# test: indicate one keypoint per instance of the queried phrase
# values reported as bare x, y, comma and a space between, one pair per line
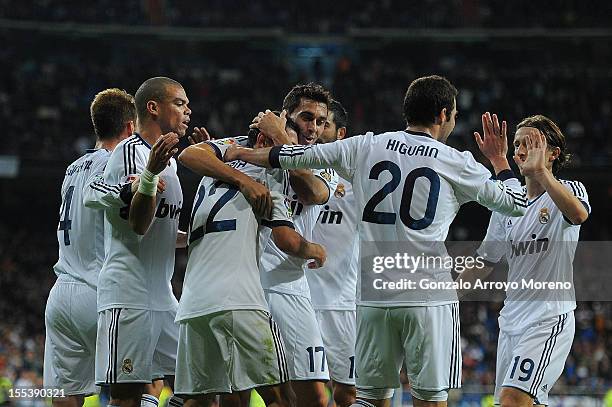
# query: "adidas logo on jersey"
529, 246
544, 388
330, 217
164, 209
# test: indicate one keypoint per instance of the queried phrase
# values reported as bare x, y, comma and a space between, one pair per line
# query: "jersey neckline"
418, 133
143, 140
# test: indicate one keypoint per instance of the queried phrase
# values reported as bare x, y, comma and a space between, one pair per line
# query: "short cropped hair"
310, 91
425, 99
110, 110
152, 89
554, 137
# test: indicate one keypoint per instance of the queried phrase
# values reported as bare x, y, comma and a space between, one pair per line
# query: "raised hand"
161, 152
494, 144
272, 126
535, 163
199, 135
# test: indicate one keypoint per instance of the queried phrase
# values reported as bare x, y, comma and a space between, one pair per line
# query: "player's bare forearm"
500, 164
567, 203
142, 211
470, 275
310, 189
291, 242
201, 159
259, 156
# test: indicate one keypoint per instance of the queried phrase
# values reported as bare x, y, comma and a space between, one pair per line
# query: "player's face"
448, 126
174, 111
330, 131
310, 116
520, 147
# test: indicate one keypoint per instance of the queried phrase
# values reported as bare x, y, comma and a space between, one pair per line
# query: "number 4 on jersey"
66, 224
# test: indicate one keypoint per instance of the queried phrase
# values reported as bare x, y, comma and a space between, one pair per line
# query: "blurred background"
235, 58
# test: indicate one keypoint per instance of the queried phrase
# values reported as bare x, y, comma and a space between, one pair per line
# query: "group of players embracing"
272, 296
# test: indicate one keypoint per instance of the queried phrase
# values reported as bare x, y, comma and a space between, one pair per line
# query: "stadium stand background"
515, 58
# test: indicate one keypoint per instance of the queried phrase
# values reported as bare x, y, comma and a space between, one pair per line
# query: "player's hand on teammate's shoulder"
319, 256
199, 135
258, 196
162, 151
535, 163
494, 142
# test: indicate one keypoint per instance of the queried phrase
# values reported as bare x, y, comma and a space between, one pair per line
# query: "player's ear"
261, 140
130, 127
341, 133
152, 108
441, 117
554, 153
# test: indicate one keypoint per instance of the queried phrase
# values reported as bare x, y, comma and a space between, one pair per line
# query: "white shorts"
533, 360
427, 339
338, 329
229, 351
70, 340
135, 345
300, 331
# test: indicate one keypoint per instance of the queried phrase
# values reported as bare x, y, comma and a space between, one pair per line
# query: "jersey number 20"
371, 215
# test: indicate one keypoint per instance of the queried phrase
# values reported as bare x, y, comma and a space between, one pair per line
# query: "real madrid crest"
544, 216
340, 191
127, 367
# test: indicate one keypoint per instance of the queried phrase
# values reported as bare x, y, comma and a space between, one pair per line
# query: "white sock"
148, 400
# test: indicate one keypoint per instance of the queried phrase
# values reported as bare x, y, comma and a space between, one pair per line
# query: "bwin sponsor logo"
529, 246
164, 209
330, 217
296, 206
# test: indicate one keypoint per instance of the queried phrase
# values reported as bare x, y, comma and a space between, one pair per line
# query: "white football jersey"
80, 231
137, 269
224, 242
281, 272
408, 187
334, 286
539, 246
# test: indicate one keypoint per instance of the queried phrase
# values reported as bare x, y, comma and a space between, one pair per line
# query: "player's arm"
142, 209
181, 239
310, 189
203, 160
490, 252
291, 242
340, 155
505, 195
574, 210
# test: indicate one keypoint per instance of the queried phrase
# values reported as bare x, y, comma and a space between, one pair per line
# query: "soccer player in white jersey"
282, 275
333, 286
228, 341
71, 315
422, 331
137, 336
536, 326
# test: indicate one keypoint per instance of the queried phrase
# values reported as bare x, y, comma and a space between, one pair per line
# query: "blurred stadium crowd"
48, 81
316, 16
